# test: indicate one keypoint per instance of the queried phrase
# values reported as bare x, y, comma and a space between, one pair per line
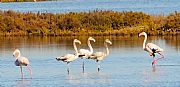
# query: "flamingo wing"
67, 58
22, 61
97, 55
84, 53
71, 57
154, 47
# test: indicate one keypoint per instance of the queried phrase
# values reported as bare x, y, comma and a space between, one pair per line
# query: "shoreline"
9, 1
90, 34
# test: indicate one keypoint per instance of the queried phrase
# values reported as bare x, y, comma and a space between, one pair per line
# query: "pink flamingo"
99, 56
85, 53
70, 57
21, 61
151, 49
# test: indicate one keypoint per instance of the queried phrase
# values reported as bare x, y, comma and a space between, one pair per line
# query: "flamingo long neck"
144, 43
18, 55
90, 47
75, 48
107, 50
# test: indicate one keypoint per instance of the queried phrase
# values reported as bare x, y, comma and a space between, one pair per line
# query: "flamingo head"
91, 38
153, 62
108, 41
143, 33
77, 41
16, 53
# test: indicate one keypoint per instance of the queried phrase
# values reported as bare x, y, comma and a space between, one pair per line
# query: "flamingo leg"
98, 66
21, 72
83, 64
68, 67
154, 69
153, 62
30, 70
162, 56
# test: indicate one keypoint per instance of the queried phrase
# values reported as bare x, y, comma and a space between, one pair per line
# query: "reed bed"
97, 23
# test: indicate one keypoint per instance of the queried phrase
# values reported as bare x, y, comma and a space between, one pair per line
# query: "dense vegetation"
96, 22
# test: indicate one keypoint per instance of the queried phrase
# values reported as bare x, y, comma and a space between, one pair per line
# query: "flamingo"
99, 56
70, 57
152, 49
85, 53
21, 61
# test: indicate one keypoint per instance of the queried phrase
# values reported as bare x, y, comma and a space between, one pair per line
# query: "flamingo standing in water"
151, 49
70, 57
99, 56
21, 61
85, 53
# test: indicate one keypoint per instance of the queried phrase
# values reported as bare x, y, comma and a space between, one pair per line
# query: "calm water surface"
147, 6
127, 65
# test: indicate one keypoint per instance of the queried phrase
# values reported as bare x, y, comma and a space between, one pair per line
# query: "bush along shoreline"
97, 23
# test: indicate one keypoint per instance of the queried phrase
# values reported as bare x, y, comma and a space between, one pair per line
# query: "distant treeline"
95, 22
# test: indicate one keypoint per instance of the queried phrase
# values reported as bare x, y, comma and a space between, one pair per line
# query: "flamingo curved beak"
79, 42
94, 40
143, 33
110, 43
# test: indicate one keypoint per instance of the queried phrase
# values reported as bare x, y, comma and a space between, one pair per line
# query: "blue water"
148, 6
126, 66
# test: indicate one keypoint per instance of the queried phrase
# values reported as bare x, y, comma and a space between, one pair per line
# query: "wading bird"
21, 61
151, 49
85, 53
70, 57
99, 56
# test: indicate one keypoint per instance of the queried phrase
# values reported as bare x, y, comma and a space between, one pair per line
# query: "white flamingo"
70, 57
21, 61
99, 56
85, 53
151, 49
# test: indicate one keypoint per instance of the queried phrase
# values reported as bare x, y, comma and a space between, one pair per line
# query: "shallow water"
148, 6
127, 65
